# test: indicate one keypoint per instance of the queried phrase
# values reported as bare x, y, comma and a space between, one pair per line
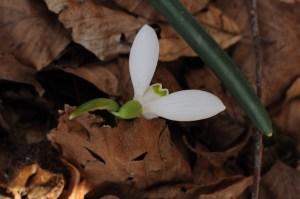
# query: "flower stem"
217, 59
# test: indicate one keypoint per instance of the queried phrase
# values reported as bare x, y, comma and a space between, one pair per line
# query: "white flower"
186, 105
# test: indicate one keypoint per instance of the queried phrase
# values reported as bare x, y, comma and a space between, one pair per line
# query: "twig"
258, 150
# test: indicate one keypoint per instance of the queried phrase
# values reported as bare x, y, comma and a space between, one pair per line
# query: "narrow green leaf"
217, 59
95, 104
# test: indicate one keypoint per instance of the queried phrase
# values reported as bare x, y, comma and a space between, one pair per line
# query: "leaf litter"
58, 52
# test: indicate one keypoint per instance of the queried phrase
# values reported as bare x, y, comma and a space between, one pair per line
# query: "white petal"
186, 105
143, 59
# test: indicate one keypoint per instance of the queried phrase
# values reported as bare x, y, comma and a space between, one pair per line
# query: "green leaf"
95, 104
217, 59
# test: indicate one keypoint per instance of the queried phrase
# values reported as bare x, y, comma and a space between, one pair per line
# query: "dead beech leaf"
103, 31
219, 26
99, 75
138, 152
144, 9
229, 188
78, 187
209, 167
280, 182
29, 33
13, 70
287, 117
232, 192
33, 182
280, 44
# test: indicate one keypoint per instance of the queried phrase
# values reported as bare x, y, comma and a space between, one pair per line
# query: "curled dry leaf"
138, 152
287, 116
33, 182
280, 44
99, 75
280, 182
102, 30
144, 9
209, 167
113, 78
13, 70
78, 187
29, 33
230, 188
219, 26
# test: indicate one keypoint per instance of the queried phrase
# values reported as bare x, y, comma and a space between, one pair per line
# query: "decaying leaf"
30, 33
78, 187
13, 70
280, 182
280, 41
287, 116
103, 31
144, 9
99, 75
209, 167
230, 188
138, 152
33, 182
219, 26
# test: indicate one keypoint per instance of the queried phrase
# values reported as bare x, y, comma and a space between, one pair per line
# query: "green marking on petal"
159, 90
130, 110
95, 104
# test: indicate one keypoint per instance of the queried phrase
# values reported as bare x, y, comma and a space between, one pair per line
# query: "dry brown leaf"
230, 188
209, 167
138, 152
29, 33
103, 31
231, 192
280, 44
77, 186
287, 117
99, 75
219, 26
33, 182
144, 9
290, 1
280, 182
114, 79
13, 70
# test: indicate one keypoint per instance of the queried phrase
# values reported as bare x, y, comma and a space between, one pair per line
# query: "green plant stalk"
95, 104
216, 59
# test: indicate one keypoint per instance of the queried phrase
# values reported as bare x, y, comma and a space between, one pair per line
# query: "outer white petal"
143, 59
186, 105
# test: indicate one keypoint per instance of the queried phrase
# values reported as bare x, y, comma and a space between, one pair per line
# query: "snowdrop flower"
153, 100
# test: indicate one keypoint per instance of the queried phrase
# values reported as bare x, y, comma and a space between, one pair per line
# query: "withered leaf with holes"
138, 152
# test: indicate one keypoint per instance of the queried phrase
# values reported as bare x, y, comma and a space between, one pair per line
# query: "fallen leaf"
13, 70
144, 9
99, 75
33, 182
290, 1
103, 31
30, 33
280, 41
209, 167
287, 114
281, 181
219, 26
78, 187
138, 152
231, 192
